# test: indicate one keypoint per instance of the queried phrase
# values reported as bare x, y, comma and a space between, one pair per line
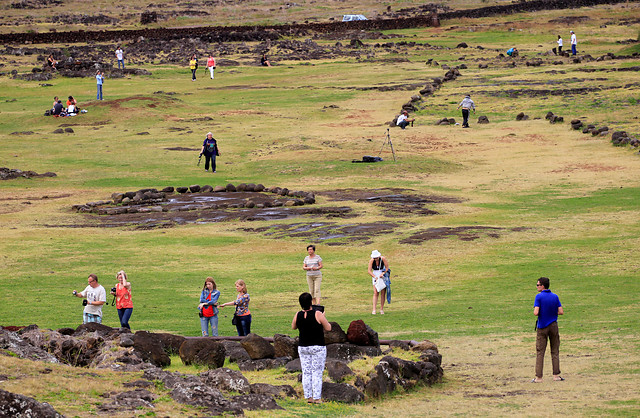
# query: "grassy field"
564, 205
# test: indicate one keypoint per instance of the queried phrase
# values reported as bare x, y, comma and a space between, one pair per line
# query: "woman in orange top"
124, 304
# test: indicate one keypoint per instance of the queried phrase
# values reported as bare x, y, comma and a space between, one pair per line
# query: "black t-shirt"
57, 109
311, 331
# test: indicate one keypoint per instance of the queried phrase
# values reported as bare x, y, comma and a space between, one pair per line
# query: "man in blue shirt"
547, 307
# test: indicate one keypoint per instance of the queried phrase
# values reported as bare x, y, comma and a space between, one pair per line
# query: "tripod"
387, 139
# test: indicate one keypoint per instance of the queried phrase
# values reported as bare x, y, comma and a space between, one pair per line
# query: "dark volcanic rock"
15, 405
226, 379
149, 347
255, 402
135, 399
280, 391
235, 351
336, 335
338, 370
257, 347
285, 346
202, 351
341, 392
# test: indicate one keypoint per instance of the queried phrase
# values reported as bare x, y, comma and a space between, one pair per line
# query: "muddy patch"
328, 233
397, 201
463, 233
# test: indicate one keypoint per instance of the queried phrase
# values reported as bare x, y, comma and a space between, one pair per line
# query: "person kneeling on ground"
403, 120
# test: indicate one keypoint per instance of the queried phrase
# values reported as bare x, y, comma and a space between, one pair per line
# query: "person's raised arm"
323, 321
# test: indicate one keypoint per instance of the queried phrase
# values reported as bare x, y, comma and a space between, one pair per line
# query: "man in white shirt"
403, 120
574, 44
120, 57
96, 297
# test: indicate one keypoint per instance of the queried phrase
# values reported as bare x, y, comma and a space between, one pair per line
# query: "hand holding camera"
75, 293
84, 302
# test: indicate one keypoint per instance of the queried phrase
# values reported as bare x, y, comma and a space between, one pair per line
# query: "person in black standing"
311, 347
210, 152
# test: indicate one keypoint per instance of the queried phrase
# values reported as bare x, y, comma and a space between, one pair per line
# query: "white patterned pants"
312, 361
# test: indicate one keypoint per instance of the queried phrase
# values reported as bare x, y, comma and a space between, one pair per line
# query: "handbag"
380, 284
234, 320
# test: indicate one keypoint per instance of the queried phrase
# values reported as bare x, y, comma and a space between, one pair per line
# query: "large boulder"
226, 379
170, 342
257, 347
336, 335
235, 351
15, 405
280, 391
425, 345
350, 352
341, 392
338, 370
361, 334
285, 346
150, 348
262, 364
202, 351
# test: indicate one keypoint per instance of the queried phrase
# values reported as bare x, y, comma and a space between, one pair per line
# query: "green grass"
576, 226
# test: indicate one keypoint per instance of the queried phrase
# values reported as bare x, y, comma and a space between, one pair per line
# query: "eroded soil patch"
464, 233
329, 233
397, 200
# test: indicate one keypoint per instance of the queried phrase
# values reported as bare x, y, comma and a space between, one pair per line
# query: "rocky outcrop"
15, 405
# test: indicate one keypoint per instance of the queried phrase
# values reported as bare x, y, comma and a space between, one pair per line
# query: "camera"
84, 302
75, 292
113, 290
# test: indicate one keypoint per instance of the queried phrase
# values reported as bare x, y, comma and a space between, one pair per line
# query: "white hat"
375, 254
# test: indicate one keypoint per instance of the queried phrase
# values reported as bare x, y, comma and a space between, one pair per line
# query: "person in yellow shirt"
193, 65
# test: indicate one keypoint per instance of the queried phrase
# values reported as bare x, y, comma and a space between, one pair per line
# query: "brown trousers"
551, 333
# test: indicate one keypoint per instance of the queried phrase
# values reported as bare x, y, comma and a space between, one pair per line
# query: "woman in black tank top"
313, 353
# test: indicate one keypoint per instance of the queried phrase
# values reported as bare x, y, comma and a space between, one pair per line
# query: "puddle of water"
199, 198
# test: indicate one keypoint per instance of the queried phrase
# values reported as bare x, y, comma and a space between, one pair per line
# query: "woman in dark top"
311, 348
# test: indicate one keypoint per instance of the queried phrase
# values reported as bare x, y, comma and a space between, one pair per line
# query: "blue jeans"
87, 317
125, 315
574, 50
204, 325
121, 62
99, 95
244, 325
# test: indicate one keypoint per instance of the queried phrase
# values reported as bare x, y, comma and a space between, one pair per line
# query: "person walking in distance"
466, 104
547, 307
210, 151
211, 64
124, 303
574, 43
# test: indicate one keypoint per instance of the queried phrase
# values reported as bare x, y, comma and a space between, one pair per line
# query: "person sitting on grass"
58, 109
264, 61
